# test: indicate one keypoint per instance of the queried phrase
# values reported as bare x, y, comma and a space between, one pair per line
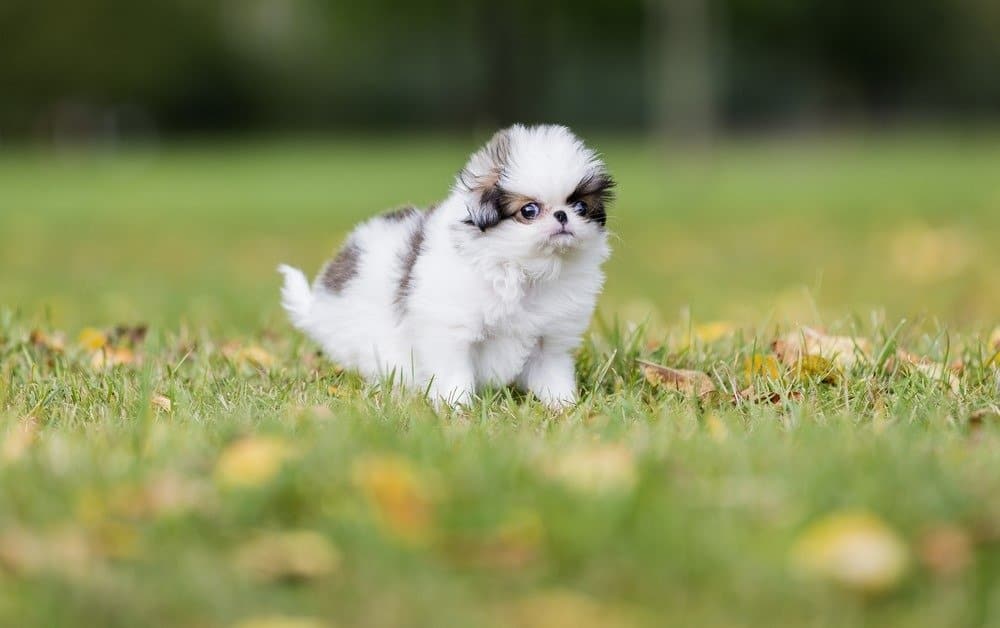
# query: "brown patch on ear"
342, 268
481, 177
597, 191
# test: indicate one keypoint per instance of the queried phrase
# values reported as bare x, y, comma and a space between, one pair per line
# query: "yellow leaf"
92, 339
843, 351
161, 403
294, 555
710, 332
398, 495
681, 380
993, 345
598, 468
760, 365
256, 356
252, 461
854, 549
817, 368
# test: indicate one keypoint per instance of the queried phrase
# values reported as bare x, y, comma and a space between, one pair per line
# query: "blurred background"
778, 158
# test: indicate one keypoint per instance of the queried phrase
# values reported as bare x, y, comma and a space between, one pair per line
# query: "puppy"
493, 286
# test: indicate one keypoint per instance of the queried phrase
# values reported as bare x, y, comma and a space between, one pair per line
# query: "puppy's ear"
480, 179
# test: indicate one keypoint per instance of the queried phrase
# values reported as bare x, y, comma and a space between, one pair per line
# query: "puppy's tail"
296, 296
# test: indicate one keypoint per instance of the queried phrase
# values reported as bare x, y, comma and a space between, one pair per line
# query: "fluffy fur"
472, 292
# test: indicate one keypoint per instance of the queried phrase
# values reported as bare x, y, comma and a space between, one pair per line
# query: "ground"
836, 464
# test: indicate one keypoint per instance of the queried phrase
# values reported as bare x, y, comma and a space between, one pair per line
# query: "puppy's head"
536, 191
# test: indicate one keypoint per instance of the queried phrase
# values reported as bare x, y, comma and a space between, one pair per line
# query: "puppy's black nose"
561, 217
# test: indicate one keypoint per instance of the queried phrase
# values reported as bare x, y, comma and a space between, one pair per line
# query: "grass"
641, 506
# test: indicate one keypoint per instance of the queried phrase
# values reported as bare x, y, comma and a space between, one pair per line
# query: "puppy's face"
536, 192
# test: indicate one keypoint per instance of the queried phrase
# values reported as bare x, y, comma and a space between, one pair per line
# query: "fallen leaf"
92, 339
843, 351
19, 439
854, 549
814, 367
255, 356
681, 380
710, 332
400, 497
288, 556
931, 370
109, 357
161, 403
945, 550
132, 335
252, 461
593, 468
55, 342
758, 365
750, 395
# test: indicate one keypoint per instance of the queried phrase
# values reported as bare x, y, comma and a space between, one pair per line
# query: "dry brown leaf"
945, 550
750, 395
257, 356
55, 342
843, 351
161, 403
131, 335
109, 357
288, 556
931, 370
681, 380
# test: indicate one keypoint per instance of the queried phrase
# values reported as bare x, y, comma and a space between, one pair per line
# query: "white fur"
505, 305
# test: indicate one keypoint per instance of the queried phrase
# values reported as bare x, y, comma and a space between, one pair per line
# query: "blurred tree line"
121, 67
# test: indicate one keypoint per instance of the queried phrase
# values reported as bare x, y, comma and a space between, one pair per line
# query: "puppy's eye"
530, 211
580, 207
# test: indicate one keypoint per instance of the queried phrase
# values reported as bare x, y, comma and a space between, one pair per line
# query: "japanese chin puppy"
493, 286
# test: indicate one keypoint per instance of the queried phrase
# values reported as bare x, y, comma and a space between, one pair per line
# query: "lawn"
832, 457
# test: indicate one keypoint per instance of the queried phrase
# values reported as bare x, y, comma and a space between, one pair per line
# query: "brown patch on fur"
409, 259
401, 214
342, 268
493, 158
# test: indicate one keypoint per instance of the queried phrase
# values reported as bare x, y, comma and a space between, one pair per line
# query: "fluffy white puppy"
493, 286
